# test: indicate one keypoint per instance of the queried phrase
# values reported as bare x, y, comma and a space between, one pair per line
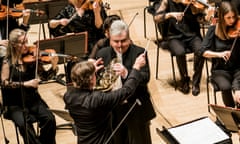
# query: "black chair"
214, 85
31, 118
32, 121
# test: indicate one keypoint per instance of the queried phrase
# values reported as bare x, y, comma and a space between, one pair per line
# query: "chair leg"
17, 136
173, 72
208, 95
157, 60
215, 97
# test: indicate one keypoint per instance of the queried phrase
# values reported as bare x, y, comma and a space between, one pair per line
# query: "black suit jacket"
145, 111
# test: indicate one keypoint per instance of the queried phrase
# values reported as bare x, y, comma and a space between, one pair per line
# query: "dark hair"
109, 20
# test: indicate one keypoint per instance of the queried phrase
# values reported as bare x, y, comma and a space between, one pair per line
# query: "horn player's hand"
120, 70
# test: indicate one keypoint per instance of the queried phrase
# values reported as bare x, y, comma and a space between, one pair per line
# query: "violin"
234, 31
16, 12
88, 4
199, 4
44, 56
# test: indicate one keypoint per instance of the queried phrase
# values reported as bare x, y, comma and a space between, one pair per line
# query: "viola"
16, 12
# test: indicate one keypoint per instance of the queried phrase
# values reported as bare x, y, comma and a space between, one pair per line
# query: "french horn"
107, 78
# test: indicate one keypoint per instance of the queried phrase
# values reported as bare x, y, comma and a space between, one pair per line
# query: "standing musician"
183, 33
79, 16
20, 91
135, 129
91, 109
219, 45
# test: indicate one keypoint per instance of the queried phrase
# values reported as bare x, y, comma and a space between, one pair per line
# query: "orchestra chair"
32, 119
215, 88
160, 36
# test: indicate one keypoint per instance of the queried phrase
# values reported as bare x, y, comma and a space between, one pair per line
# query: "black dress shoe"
195, 90
184, 85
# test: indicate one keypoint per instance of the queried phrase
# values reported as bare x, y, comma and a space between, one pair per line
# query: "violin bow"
7, 21
146, 48
184, 11
232, 47
37, 50
132, 19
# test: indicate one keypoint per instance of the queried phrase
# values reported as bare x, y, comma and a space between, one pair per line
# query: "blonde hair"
12, 51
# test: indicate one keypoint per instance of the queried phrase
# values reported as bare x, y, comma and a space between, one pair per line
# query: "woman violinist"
79, 16
221, 44
20, 91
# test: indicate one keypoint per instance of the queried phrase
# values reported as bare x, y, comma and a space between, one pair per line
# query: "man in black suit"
135, 129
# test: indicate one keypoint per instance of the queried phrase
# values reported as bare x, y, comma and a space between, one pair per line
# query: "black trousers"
226, 82
178, 47
41, 114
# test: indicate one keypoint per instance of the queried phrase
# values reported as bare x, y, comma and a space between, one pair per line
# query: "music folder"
199, 131
229, 117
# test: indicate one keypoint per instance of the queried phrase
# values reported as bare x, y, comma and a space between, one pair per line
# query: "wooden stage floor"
171, 106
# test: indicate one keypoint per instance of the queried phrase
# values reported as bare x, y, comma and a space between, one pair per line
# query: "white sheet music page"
203, 131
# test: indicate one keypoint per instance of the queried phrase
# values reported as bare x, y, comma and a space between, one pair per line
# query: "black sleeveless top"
16, 96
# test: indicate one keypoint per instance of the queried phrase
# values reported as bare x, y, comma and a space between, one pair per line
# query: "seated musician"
79, 16
219, 46
20, 94
183, 32
8, 23
12, 18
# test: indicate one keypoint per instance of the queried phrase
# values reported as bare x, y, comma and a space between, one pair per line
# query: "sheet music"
203, 131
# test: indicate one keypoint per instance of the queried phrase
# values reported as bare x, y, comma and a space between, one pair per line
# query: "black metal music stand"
66, 116
228, 116
74, 45
51, 8
197, 131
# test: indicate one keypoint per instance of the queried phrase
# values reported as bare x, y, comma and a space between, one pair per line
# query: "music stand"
74, 45
51, 8
66, 116
199, 131
228, 116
